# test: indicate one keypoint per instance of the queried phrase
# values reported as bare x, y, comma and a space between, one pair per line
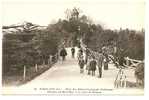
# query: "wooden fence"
52, 60
121, 77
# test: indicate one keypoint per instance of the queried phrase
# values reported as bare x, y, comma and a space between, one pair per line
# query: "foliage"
35, 46
16, 53
27, 49
139, 72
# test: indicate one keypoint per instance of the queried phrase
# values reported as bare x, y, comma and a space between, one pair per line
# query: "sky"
111, 14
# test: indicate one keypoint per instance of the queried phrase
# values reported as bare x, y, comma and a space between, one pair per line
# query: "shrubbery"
131, 42
139, 73
34, 47
27, 49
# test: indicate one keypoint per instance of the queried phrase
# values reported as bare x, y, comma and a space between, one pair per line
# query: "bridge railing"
38, 69
132, 62
121, 78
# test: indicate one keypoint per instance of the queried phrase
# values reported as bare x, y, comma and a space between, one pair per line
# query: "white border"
96, 97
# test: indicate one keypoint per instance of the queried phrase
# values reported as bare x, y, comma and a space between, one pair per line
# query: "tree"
139, 73
28, 48
16, 53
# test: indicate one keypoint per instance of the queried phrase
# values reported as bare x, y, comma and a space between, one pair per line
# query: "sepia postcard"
73, 47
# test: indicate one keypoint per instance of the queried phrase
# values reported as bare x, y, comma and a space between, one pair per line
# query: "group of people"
63, 53
91, 62
94, 61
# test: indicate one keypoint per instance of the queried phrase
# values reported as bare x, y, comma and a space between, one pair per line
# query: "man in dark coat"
121, 58
93, 66
106, 60
86, 55
81, 64
72, 51
80, 53
99, 64
63, 53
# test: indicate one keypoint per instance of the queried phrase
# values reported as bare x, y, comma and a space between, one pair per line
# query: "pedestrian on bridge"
106, 60
86, 55
79, 54
81, 63
88, 68
100, 59
63, 53
93, 64
72, 51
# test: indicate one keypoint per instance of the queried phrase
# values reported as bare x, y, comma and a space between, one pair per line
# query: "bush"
139, 73
27, 49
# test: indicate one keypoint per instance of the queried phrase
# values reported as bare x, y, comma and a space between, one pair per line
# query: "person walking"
80, 52
63, 53
88, 65
106, 60
81, 61
86, 55
72, 51
99, 64
93, 65
81, 64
